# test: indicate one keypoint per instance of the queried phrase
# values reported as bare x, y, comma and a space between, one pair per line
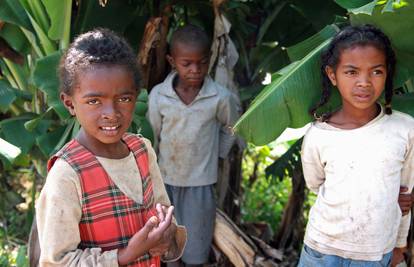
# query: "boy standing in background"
187, 112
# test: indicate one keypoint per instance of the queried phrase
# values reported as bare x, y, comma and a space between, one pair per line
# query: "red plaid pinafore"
110, 218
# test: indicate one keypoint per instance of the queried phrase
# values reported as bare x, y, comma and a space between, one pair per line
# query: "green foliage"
264, 198
267, 182
15, 217
16, 257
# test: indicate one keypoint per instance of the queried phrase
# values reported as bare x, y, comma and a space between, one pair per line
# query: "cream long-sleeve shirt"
58, 211
357, 175
192, 137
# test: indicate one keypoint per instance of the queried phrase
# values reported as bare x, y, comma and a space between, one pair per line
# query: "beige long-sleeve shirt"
357, 175
58, 211
192, 137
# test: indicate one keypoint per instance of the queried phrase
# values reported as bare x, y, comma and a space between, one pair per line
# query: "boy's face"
191, 63
103, 102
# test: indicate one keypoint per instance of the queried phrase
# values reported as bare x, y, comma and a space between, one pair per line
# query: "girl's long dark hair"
349, 37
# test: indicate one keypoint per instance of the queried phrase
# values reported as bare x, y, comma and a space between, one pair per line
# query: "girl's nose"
364, 80
110, 111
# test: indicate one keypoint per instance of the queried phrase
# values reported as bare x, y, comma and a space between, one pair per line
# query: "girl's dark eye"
350, 72
125, 99
378, 72
93, 102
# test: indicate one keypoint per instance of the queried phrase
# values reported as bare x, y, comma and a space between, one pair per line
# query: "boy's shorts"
195, 208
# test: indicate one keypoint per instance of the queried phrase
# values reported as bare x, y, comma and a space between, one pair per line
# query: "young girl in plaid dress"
104, 202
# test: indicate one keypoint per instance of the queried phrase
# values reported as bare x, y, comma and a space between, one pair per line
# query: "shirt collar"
207, 90
327, 126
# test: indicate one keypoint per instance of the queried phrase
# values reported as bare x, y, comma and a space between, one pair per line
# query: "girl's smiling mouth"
110, 130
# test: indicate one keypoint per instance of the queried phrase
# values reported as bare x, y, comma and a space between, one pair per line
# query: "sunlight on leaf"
9, 151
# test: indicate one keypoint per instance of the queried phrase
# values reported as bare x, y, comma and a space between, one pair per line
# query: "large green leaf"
48, 141
350, 4
366, 9
398, 25
45, 77
15, 133
293, 91
404, 103
48, 46
36, 9
7, 96
15, 38
298, 51
59, 13
12, 11
8, 151
285, 103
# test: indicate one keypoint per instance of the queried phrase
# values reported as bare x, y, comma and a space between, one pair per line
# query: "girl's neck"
116, 150
349, 117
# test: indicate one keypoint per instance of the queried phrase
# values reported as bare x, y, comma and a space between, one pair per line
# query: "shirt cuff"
113, 257
180, 241
225, 144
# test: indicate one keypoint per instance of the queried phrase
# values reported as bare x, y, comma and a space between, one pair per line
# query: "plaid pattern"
110, 218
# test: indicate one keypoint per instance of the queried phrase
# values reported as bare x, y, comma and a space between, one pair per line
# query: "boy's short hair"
192, 35
97, 47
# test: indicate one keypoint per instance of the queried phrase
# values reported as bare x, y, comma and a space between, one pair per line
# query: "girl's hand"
168, 242
168, 238
404, 200
151, 235
397, 256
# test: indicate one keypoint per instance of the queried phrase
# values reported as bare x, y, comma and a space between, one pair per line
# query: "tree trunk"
291, 230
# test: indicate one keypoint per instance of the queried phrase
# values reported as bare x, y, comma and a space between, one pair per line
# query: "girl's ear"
170, 60
331, 75
68, 103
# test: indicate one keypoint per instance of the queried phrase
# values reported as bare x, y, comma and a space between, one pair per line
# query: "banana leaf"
397, 25
60, 15
15, 38
8, 152
286, 101
15, 133
351, 4
45, 77
7, 96
12, 11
